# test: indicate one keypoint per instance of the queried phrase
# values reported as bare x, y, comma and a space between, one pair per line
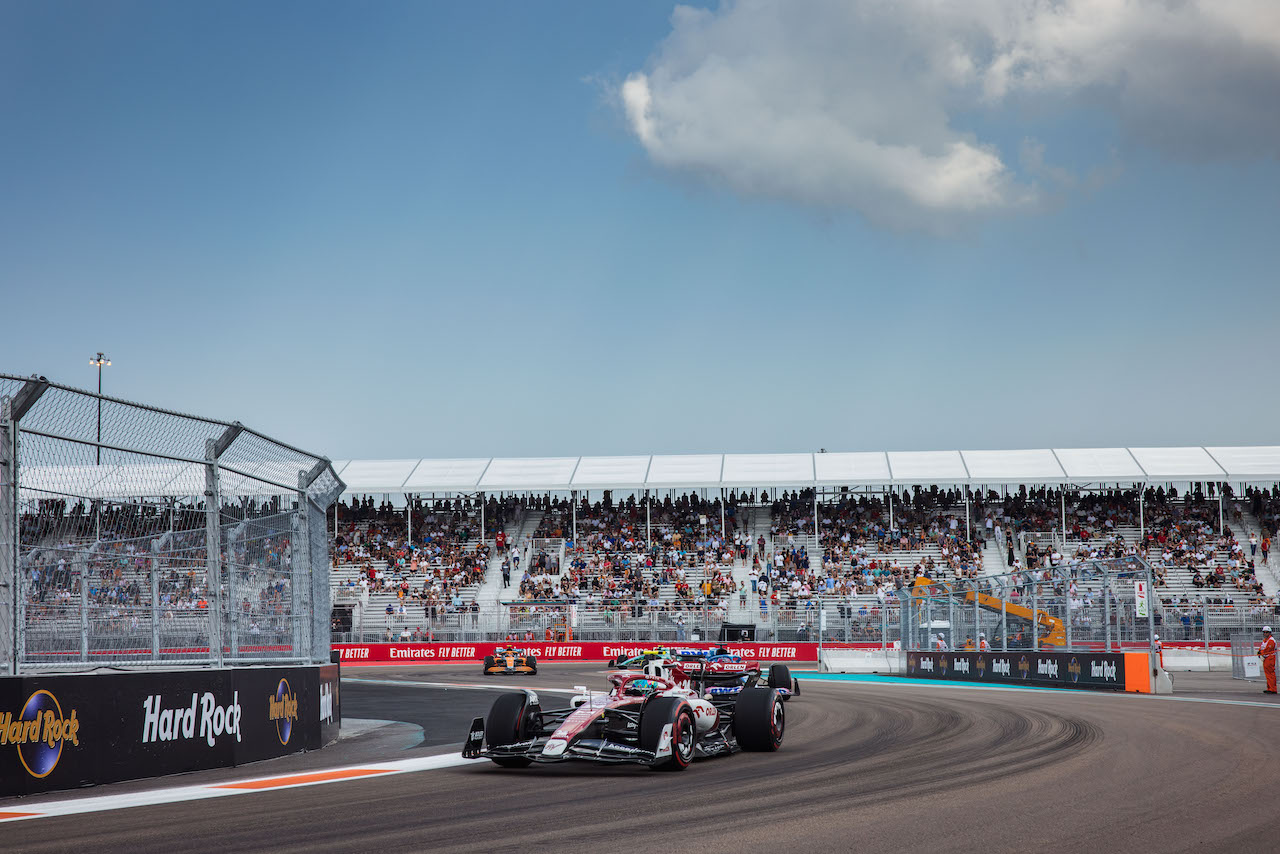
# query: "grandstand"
668, 546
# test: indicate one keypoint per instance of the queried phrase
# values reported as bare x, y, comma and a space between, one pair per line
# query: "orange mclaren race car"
509, 659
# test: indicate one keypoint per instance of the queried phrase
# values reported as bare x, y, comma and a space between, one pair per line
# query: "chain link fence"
130, 535
1091, 605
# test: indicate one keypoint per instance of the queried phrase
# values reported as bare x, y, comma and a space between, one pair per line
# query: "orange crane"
1051, 630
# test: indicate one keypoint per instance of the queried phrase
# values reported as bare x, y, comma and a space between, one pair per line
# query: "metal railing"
131, 535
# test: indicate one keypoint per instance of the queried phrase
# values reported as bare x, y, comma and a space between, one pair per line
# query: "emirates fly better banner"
420, 653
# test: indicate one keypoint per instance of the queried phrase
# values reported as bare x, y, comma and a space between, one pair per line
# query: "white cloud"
851, 104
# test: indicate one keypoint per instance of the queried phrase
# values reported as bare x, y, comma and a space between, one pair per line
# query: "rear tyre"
533, 664
659, 712
488, 664
780, 676
510, 719
759, 719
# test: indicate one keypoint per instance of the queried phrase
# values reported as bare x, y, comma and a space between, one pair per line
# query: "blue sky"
429, 229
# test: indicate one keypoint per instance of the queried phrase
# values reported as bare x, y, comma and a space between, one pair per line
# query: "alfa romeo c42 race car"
507, 660
722, 672
655, 717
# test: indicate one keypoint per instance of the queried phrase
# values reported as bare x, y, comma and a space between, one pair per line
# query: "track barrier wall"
1115, 671
60, 732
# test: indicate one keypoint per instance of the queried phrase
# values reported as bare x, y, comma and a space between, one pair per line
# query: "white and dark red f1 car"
657, 717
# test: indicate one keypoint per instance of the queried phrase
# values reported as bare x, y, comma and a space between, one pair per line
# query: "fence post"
1035, 616
1066, 612
84, 611
299, 547
1106, 609
155, 599
213, 550
926, 642
9, 574
1152, 601
1004, 622
977, 619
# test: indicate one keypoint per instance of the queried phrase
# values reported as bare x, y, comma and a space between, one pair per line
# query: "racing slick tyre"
511, 718
759, 719
659, 712
489, 663
780, 676
533, 665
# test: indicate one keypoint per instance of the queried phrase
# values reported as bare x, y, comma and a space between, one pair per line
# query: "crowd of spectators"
615, 567
116, 568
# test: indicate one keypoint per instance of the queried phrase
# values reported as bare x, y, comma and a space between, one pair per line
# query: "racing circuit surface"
865, 765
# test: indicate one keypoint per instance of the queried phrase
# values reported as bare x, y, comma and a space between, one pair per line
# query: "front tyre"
511, 719
759, 719
780, 676
658, 714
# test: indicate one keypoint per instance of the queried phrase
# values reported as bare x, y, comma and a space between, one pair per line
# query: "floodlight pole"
99, 363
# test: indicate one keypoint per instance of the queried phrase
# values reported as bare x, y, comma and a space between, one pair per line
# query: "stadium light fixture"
100, 362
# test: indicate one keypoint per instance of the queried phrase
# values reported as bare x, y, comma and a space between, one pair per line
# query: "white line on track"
34, 808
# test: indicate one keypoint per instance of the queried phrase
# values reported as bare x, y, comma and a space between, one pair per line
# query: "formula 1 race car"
637, 662
655, 717
725, 673
508, 659
731, 672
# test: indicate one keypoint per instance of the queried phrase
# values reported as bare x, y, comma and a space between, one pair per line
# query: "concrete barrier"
1197, 660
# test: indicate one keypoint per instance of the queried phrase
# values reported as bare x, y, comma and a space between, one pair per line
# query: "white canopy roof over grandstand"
1048, 466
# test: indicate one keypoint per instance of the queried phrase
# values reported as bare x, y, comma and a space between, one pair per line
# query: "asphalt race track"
865, 766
